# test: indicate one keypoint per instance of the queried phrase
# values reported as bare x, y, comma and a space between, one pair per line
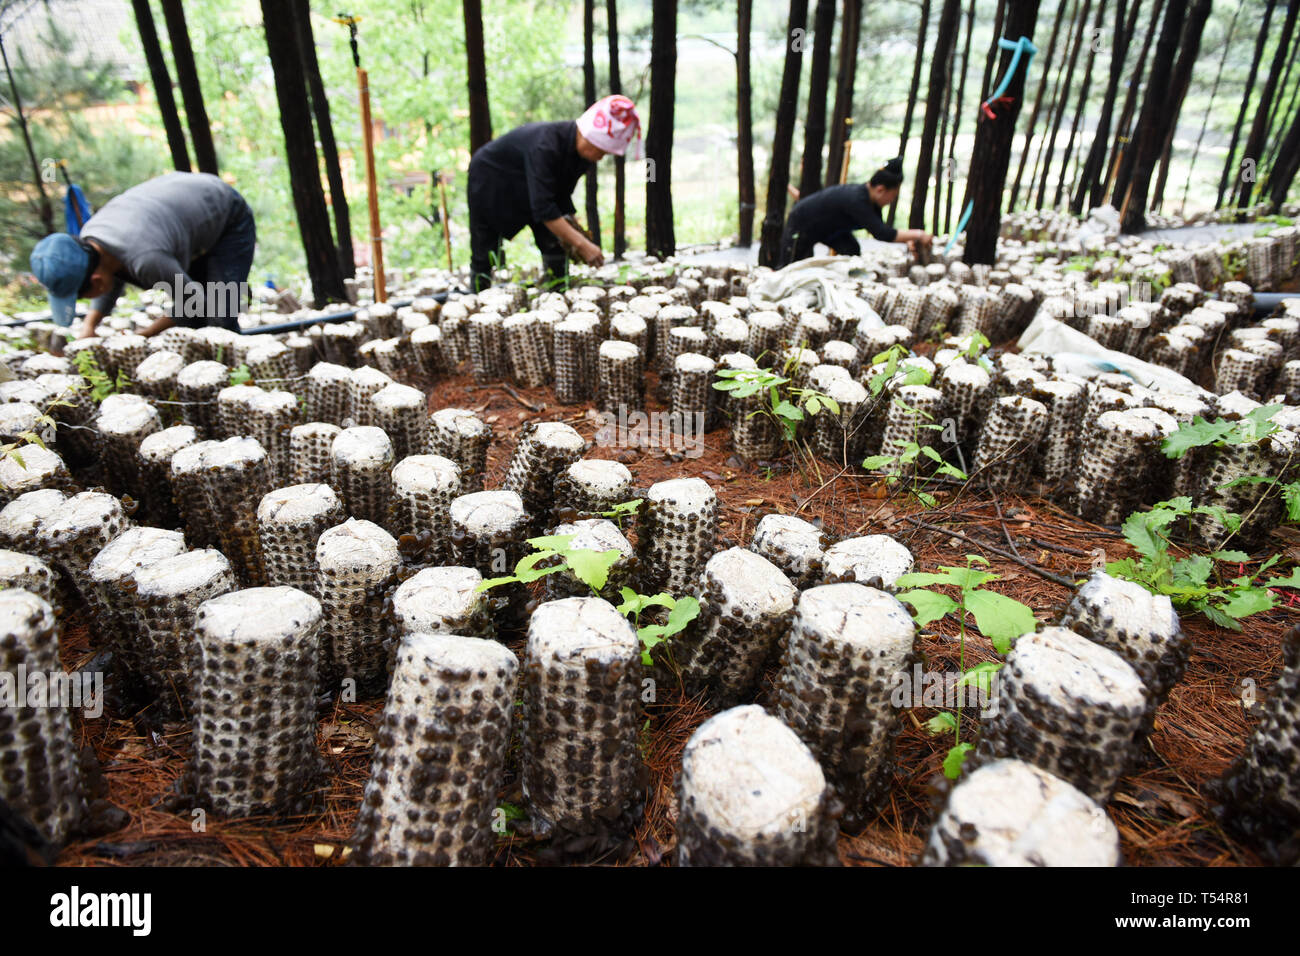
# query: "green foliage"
1199, 433
102, 384
623, 510
786, 404
681, 611
1194, 583
240, 375
588, 566
1001, 619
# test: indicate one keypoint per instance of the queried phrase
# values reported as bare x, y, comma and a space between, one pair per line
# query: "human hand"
592, 255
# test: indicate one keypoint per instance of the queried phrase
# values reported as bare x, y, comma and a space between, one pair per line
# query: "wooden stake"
848, 150
376, 242
446, 225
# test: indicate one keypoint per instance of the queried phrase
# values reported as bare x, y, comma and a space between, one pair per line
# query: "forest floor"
1161, 810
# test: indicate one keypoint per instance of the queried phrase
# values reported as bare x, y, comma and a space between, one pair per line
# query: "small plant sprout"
101, 384
999, 618
240, 375
681, 611
623, 510
787, 406
588, 566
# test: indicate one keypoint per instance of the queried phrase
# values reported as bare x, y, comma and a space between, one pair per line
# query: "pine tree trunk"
300, 151
744, 124
991, 154
187, 77
325, 134
1082, 28
660, 238
1283, 174
1177, 92
620, 176
1229, 163
914, 89
1259, 128
942, 169
1090, 178
480, 111
1279, 136
589, 94
1214, 91
1118, 153
162, 85
814, 128
1083, 100
778, 177
956, 119
45, 210
992, 58
1149, 134
1044, 64
845, 80
943, 46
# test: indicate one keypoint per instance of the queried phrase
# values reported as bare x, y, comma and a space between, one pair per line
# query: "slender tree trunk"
992, 58
1119, 153
620, 175
914, 89
778, 177
744, 124
480, 111
939, 63
956, 118
1090, 177
1277, 130
660, 238
1157, 117
942, 169
1082, 28
1229, 164
1283, 174
1083, 100
846, 75
814, 128
991, 154
1044, 64
589, 94
1259, 128
1177, 92
1214, 91
43, 202
187, 77
300, 151
325, 134
162, 85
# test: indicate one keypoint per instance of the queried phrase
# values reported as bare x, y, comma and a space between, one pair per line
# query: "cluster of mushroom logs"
247, 552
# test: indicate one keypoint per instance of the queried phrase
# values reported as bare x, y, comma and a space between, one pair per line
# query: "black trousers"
796, 245
487, 253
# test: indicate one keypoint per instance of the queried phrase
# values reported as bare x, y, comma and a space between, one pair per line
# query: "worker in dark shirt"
527, 177
830, 215
188, 233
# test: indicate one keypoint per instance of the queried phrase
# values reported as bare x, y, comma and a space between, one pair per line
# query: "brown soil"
1162, 816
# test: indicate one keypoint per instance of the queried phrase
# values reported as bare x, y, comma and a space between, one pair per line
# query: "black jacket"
526, 176
833, 213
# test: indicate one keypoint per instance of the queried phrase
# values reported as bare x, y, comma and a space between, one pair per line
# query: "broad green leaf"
812, 405
684, 611
1292, 580
1216, 616
951, 471
552, 542
980, 676
952, 763
1238, 557
931, 453
929, 606
830, 403
926, 498
876, 462
944, 722
494, 582
1244, 601
592, 567
1194, 570
1001, 619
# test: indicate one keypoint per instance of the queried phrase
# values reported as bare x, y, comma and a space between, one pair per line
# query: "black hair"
889, 175
92, 263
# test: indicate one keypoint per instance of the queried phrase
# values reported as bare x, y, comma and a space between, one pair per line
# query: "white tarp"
1079, 354
826, 284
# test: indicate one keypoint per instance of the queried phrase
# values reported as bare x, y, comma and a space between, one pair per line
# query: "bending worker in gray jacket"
185, 231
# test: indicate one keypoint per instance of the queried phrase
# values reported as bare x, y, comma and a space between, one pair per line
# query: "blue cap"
60, 263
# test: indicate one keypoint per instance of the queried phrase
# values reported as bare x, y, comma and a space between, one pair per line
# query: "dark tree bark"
814, 127
1149, 133
43, 206
992, 58
1229, 164
1045, 64
1277, 122
1122, 128
1084, 87
845, 80
660, 238
1214, 91
914, 89
187, 77
162, 85
941, 168
1177, 92
1282, 175
589, 93
1050, 151
1259, 128
778, 178
300, 151
956, 120
1090, 178
945, 39
480, 111
325, 134
992, 151
620, 175
744, 124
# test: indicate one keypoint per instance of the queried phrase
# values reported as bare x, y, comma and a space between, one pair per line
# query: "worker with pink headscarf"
527, 177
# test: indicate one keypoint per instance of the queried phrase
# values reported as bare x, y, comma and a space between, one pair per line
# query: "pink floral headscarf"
611, 124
